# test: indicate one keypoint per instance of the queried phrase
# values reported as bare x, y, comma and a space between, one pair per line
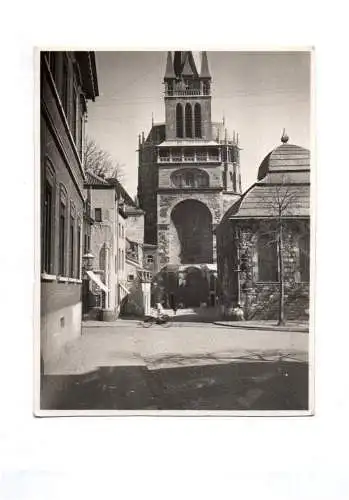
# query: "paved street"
187, 365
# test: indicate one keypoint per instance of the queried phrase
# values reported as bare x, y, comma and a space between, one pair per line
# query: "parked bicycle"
148, 321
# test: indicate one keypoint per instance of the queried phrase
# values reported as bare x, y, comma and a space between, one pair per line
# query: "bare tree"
281, 205
100, 162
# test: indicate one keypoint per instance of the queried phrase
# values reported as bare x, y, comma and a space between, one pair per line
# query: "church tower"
189, 168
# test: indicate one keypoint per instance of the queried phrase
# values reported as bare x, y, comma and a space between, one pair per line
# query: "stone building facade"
248, 239
187, 165
67, 81
189, 169
101, 297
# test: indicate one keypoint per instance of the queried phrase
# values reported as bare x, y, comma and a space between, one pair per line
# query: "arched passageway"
191, 233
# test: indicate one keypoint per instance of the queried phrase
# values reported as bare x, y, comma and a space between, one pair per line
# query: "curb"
276, 328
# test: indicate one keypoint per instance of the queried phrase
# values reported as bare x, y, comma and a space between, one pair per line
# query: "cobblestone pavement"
183, 367
125, 343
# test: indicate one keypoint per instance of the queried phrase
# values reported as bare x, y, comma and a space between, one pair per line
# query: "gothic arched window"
267, 259
179, 120
197, 119
188, 121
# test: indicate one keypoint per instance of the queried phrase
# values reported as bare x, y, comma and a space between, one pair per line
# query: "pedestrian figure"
173, 304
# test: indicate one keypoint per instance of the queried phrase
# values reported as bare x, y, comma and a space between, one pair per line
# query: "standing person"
173, 304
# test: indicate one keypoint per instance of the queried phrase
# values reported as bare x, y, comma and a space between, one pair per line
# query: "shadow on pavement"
259, 385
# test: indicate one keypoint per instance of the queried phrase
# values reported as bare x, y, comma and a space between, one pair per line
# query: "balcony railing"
195, 158
186, 92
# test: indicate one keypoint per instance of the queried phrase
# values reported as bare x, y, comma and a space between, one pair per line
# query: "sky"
258, 93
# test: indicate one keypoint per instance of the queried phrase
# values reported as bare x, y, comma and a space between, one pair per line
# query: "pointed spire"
184, 64
223, 120
177, 62
152, 119
205, 72
188, 68
234, 140
284, 137
226, 135
169, 73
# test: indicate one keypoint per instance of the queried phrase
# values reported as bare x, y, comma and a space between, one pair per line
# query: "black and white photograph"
176, 232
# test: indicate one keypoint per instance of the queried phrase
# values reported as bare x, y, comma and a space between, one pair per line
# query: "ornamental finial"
284, 137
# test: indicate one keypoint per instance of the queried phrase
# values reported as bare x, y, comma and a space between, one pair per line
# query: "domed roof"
285, 159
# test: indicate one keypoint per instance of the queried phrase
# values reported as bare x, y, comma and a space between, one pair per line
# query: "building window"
47, 228
98, 215
102, 258
197, 119
267, 259
62, 217
188, 121
72, 243
150, 259
122, 259
304, 252
78, 250
179, 120
190, 178
130, 277
65, 85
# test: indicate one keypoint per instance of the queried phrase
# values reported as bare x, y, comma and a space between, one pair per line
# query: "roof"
283, 186
262, 200
156, 134
287, 158
87, 66
205, 72
94, 180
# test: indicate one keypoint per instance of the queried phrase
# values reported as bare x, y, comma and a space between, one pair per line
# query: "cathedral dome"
285, 159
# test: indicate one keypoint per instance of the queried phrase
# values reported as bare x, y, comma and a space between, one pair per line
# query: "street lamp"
87, 260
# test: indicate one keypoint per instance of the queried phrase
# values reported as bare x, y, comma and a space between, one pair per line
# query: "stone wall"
260, 299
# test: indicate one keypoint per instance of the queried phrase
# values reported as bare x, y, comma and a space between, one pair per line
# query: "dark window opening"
62, 239
197, 116
179, 120
47, 229
267, 259
98, 214
78, 249
188, 121
72, 242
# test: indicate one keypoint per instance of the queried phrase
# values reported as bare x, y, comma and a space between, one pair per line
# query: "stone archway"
191, 237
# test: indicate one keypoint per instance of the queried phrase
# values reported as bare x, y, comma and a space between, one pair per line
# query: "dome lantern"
284, 137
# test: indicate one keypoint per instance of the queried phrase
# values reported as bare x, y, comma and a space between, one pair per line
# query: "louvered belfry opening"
197, 119
179, 120
188, 121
